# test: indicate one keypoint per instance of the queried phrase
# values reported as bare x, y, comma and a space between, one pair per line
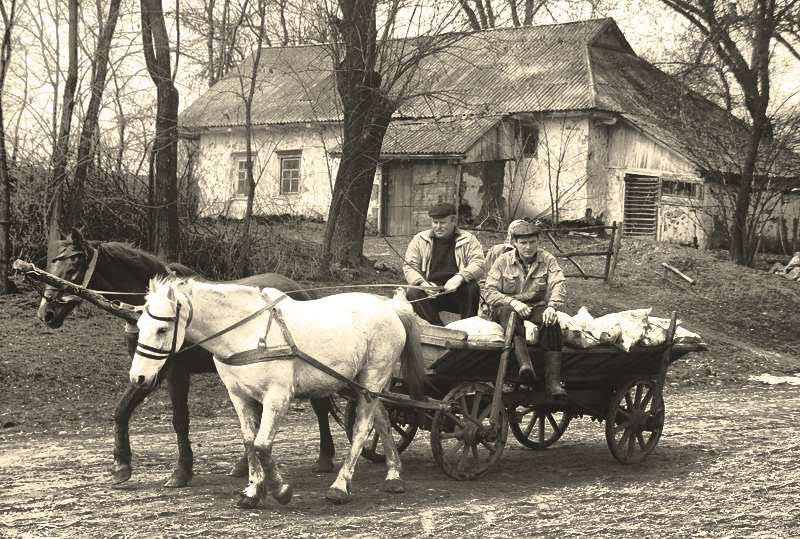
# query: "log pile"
791, 270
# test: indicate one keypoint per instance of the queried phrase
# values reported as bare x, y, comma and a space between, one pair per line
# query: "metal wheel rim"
462, 449
635, 421
538, 428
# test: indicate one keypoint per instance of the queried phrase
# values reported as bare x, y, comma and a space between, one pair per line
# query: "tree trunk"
6, 286
165, 145
347, 217
366, 114
74, 199
56, 221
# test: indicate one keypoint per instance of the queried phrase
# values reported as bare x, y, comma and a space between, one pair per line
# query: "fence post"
610, 252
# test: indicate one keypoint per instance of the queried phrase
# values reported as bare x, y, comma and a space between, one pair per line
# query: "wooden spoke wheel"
635, 421
465, 442
536, 427
404, 424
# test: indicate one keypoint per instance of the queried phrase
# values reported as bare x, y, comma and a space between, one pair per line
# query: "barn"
558, 121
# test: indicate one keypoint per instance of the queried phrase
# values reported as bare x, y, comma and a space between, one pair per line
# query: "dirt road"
726, 467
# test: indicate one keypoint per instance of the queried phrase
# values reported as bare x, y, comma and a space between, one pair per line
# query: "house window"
290, 173
678, 188
527, 136
242, 188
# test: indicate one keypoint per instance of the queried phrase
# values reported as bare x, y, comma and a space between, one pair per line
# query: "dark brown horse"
118, 267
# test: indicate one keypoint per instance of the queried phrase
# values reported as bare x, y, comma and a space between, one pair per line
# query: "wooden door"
398, 199
641, 206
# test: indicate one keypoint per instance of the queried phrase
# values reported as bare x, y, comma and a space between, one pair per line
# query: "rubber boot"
552, 376
526, 371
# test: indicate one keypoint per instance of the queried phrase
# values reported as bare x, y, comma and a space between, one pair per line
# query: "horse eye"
161, 331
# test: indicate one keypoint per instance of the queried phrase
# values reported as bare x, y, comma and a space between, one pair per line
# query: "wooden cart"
474, 399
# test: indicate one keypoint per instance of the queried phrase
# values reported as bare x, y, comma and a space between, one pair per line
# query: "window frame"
283, 158
240, 187
676, 188
526, 135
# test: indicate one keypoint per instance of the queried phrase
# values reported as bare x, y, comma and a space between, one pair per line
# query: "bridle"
58, 297
160, 354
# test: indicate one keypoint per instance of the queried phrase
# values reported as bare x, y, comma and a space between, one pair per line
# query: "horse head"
162, 329
71, 263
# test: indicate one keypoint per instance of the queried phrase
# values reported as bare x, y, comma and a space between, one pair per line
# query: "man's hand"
431, 288
522, 309
549, 316
453, 283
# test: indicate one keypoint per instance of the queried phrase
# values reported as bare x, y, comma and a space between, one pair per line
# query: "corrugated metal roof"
539, 68
445, 137
660, 106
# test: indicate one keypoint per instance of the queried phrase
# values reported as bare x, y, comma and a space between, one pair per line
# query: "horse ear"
77, 237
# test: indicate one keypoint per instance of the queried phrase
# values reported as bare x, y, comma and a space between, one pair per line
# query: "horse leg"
324, 464
393, 482
339, 491
133, 397
242, 466
275, 404
178, 382
248, 422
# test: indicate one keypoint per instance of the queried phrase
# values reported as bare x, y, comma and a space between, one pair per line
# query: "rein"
162, 355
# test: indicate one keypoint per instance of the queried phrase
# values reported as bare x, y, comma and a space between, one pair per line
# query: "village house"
558, 121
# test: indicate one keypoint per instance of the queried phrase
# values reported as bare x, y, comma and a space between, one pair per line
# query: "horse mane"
139, 260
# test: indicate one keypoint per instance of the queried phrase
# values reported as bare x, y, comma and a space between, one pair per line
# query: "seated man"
445, 256
496, 250
529, 280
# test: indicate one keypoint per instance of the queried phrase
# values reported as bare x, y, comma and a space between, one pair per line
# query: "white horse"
360, 336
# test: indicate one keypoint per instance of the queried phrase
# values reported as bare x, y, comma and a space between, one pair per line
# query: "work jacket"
543, 284
469, 257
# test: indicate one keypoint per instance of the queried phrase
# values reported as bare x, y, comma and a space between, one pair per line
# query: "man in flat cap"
446, 256
529, 280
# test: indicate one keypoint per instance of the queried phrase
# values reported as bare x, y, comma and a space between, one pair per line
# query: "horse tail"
413, 362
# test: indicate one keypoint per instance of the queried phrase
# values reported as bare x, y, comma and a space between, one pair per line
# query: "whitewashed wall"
561, 161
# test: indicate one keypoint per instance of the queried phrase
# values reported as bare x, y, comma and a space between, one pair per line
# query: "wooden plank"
677, 272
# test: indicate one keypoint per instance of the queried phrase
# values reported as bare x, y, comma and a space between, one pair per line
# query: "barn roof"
538, 68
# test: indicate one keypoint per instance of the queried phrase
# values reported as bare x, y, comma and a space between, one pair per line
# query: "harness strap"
258, 355
368, 394
244, 320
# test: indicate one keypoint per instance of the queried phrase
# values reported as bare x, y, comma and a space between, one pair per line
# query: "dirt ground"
726, 465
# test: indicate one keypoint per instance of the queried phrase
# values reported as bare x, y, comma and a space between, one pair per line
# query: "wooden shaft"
497, 398
117, 308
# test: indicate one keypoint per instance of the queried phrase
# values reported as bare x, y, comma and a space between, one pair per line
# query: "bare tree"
744, 43
60, 155
164, 221
374, 76
87, 137
9, 13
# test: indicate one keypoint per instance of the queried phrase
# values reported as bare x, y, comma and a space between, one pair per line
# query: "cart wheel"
536, 427
464, 441
404, 422
634, 421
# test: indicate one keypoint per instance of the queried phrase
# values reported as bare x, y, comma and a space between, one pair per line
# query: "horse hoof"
394, 486
179, 479
283, 494
246, 502
337, 497
324, 466
120, 473
239, 469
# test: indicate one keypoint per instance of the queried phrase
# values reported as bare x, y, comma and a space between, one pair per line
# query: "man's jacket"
543, 284
469, 257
